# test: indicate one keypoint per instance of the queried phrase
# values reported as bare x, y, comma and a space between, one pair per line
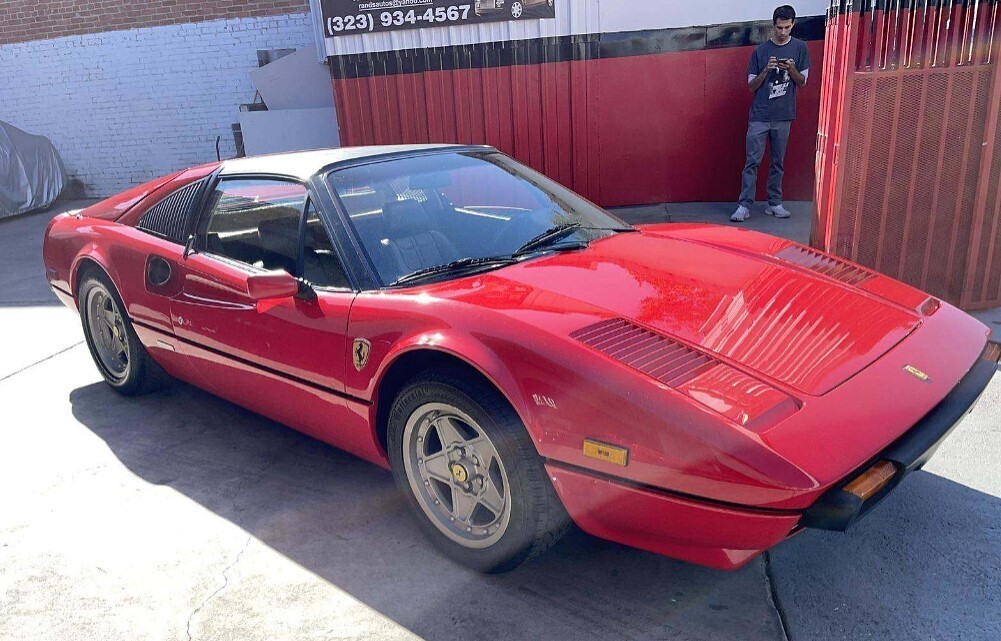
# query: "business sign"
350, 17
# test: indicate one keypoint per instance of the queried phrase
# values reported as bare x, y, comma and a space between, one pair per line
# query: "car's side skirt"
323, 413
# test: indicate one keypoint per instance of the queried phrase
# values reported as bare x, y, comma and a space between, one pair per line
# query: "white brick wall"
124, 107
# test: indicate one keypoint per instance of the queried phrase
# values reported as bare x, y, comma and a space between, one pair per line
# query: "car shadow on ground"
342, 519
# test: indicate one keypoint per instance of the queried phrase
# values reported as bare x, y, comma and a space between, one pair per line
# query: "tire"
122, 360
455, 443
517, 9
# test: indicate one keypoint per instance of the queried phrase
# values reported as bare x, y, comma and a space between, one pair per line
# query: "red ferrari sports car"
520, 358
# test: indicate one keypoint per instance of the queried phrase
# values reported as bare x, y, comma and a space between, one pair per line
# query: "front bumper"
711, 534
838, 509
726, 536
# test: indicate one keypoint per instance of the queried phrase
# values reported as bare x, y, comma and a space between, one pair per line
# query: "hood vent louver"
823, 264
656, 356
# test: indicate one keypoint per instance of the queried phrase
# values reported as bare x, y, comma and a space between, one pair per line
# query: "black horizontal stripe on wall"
565, 48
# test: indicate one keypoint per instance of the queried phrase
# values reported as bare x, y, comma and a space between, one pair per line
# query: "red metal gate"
909, 148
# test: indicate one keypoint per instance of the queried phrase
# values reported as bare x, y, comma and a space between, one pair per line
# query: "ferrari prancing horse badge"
360, 353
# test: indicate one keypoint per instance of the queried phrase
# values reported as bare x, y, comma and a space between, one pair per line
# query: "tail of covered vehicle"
31, 172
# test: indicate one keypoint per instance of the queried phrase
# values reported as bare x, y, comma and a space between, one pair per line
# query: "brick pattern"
124, 107
26, 20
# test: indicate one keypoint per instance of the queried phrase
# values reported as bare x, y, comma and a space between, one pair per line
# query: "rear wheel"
471, 474
113, 343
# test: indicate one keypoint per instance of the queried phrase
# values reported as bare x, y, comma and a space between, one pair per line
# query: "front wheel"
471, 474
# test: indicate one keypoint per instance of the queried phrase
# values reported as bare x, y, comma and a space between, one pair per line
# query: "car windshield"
441, 214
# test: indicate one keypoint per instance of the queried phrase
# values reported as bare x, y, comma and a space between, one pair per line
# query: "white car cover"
31, 172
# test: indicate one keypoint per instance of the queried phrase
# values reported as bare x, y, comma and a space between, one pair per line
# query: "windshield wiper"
463, 264
548, 237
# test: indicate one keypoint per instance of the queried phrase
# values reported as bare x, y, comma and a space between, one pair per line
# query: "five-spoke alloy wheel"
470, 472
107, 332
456, 474
113, 343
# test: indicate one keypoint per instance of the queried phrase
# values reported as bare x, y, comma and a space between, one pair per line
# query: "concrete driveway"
181, 516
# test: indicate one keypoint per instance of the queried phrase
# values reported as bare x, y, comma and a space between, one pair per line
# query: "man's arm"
754, 82
795, 74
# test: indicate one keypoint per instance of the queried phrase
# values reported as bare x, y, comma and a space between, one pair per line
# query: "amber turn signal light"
605, 452
872, 480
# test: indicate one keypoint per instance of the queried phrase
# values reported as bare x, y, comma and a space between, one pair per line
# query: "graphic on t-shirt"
780, 86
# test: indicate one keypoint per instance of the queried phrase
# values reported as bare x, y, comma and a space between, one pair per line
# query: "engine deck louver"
824, 264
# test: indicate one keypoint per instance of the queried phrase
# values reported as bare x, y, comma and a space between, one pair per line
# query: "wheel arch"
407, 364
84, 264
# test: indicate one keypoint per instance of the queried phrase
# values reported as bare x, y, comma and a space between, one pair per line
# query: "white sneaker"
742, 214
778, 211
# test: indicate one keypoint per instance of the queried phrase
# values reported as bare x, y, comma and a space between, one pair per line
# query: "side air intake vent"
167, 218
667, 361
824, 264
745, 400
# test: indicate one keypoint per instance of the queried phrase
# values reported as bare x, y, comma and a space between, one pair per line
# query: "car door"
282, 357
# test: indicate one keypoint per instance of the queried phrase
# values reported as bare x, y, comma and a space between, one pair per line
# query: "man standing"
777, 69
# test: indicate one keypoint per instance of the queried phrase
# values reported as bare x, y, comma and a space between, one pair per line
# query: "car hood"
797, 327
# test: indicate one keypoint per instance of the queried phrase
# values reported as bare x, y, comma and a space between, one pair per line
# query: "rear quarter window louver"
823, 264
168, 218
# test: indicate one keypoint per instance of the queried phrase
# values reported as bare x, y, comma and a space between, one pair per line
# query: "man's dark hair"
785, 12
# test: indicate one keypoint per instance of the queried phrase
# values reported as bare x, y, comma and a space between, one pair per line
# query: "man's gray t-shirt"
775, 100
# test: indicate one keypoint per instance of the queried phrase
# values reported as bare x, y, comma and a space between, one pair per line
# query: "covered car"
31, 172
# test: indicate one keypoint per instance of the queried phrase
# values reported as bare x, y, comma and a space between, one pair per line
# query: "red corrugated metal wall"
628, 130
909, 158
526, 111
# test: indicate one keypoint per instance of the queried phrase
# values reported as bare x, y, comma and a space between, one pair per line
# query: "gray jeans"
757, 132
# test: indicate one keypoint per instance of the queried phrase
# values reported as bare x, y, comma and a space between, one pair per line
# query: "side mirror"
274, 284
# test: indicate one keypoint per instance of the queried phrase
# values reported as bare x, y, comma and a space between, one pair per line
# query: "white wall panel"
269, 132
572, 16
635, 15
575, 17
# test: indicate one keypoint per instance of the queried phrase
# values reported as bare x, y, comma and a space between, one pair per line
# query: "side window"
321, 266
256, 221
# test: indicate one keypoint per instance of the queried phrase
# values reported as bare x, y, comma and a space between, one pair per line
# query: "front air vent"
823, 264
743, 399
168, 218
666, 360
